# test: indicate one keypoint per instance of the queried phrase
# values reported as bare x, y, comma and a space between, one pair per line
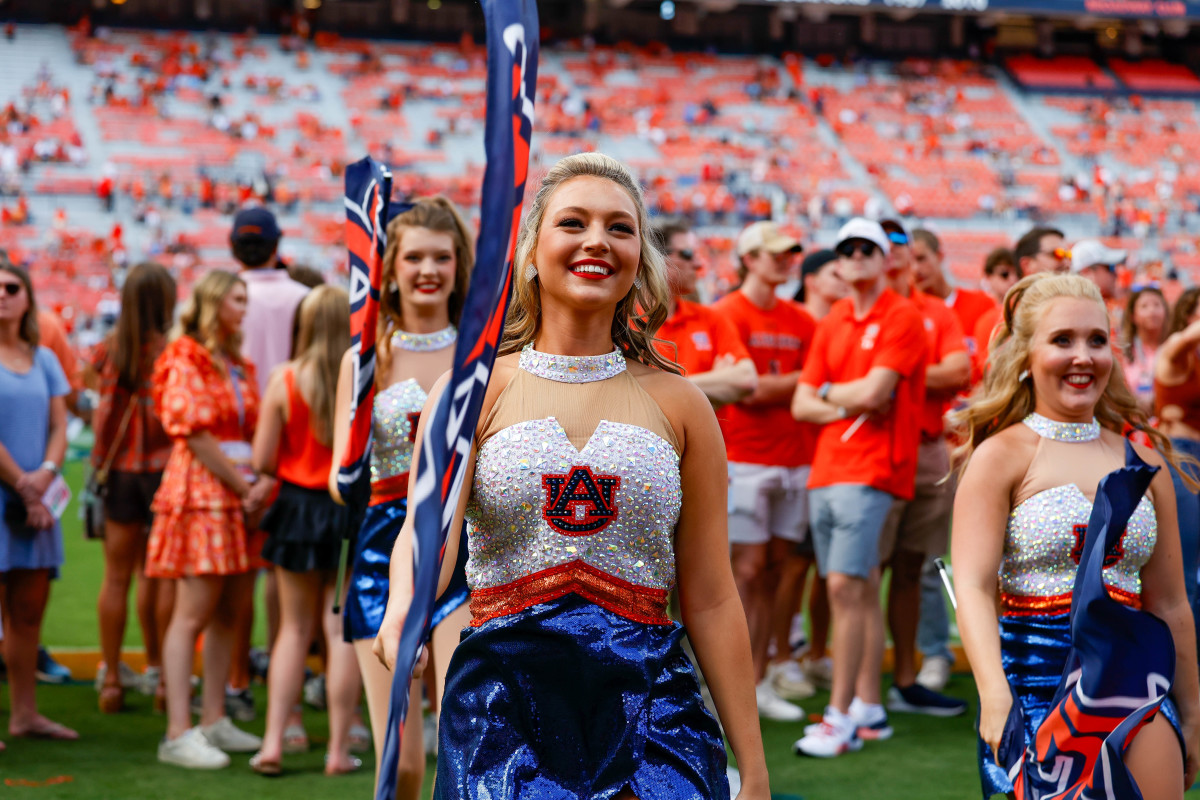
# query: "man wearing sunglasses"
863, 382
919, 530
769, 454
704, 344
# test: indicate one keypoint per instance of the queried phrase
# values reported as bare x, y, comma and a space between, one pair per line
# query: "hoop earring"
530, 272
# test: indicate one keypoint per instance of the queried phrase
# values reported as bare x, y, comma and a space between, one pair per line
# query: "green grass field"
115, 758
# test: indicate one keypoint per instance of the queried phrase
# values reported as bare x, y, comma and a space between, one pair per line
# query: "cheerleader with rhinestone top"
427, 266
597, 484
1072, 708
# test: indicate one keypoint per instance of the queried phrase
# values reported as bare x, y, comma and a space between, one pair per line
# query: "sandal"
295, 740
112, 698
268, 769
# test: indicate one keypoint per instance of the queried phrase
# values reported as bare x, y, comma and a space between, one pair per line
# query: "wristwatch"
823, 392
50, 467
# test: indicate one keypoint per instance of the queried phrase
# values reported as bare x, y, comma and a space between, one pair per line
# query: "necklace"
425, 342
572, 369
1063, 431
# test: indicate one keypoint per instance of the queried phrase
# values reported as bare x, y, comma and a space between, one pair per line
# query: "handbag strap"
102, 473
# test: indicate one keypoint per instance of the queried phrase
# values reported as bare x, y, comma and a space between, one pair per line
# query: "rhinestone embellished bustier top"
393, 426
1044, 536
566, 501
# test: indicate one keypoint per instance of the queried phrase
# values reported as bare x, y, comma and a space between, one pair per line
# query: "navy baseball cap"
255, 222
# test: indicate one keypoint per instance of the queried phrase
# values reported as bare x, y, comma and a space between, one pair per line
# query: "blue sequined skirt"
367, 595
1033, 651
567, 700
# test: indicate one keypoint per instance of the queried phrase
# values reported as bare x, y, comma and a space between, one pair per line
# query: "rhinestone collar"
572, 369
1063, 431
425, 342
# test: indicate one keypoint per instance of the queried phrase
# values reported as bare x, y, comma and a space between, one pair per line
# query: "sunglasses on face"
686, 255
848, 249
897, 238
1061, 253
11, 289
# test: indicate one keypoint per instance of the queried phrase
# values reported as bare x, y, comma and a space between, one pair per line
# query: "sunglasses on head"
1061, 253
848, 249
10, 289
685, 254
895, 237
1137, 287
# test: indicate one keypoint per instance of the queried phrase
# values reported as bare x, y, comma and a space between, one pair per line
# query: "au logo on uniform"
580, 502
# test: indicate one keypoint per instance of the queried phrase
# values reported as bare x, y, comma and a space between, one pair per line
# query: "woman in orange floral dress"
206, 396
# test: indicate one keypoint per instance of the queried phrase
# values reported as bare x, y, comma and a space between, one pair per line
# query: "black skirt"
305, 529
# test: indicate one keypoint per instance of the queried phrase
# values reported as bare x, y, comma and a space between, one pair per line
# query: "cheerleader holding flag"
512, 46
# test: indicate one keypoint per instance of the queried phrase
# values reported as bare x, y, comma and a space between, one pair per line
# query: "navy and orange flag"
368, 188
1119, 672
512, 47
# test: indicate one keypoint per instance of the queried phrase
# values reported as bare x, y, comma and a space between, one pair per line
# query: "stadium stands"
180, 129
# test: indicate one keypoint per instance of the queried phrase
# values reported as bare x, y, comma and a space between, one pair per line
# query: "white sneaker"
819, 672
935, 673
148, 681
772, 706
224, 735
191, 750
870, 720
129, 679
789, 680
834, 735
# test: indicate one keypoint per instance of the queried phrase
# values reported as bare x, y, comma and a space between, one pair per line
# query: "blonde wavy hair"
435, 214
639, 314
323, 335
1006, 396
199, 318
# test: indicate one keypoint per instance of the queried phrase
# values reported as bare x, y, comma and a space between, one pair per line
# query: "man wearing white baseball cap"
864, 384
1098, 263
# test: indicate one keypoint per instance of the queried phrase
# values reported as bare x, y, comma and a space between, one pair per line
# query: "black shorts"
128, 496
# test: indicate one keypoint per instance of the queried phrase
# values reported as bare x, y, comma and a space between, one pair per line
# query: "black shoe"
240, 705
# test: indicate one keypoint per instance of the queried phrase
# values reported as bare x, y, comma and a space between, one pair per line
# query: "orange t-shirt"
945, 336
699, 335
969, 305
984, 328
882, 451
778, 341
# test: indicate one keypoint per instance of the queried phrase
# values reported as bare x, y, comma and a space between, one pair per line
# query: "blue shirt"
25, 407
24, 426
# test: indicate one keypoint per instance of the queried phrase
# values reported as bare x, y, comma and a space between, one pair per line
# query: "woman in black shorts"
132, 449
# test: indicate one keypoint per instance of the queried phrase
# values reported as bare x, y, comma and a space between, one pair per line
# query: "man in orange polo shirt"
863, 381
967, 304
918, 531
769, 452
706, 346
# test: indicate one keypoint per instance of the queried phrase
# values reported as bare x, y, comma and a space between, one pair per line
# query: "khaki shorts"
767, 501
922, 525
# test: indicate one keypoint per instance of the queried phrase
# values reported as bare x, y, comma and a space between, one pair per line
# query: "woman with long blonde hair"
206, 396
596, 484
427, 267
305, 527
1045, 427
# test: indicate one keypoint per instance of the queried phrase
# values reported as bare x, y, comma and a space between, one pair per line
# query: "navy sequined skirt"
569, 700
367, 596
1033, 651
